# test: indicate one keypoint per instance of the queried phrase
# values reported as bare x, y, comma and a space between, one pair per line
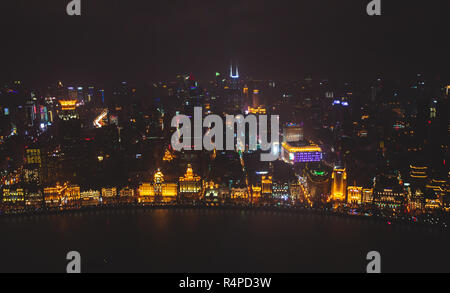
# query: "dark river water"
205, 240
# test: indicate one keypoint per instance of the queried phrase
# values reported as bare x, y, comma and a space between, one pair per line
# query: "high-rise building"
292, 132
266, 186
233, 102
234, 77
338, 184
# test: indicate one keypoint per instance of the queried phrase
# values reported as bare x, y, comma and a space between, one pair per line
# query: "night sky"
155, 40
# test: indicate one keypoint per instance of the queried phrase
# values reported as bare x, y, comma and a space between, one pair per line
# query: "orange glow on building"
338, 184
190, 184
291, 149
68, 105
62, 194
158, 190
168, 156
13, 195
354, 194
266, 185
259, 110
256, 192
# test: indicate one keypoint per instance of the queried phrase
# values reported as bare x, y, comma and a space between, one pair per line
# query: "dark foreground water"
196, 240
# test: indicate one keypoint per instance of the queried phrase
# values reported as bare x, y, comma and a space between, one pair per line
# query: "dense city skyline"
139, 133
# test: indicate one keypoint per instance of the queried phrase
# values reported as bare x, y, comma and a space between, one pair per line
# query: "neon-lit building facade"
298, 153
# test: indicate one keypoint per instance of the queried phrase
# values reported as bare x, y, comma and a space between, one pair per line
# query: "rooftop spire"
231, 71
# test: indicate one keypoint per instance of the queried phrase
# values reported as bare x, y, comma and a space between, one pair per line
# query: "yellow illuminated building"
168, 156
13, 195
33, 156
258, 110
256, 192
266, 185
354, 195
338, 184
239, 193
292, 149
367, 195
126, 192
418, 172
432, 204
62, 194
146, 193
90, 197
190, 184
68, 105
109, 192
158, 190
211, 190
298, 153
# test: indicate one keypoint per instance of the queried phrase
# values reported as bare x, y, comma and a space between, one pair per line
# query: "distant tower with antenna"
234, 76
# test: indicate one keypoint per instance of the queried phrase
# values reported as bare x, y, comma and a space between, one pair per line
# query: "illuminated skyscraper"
266, 186
233, 95
418, 174
292, 132
338, 184
234, 77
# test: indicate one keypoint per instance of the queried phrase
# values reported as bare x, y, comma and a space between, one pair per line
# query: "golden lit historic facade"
127, 195
211, 191
62, 195
168, 156
354, 194
239, 193
13, 195
109, 192
367, 195
90, 197
338, 184
158, 190
190, 185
